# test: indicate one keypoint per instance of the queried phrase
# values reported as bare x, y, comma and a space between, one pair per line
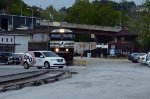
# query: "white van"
41, 59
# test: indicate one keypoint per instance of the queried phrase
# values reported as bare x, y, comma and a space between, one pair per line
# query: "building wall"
5, 39
19, 41
22, 44
39, 37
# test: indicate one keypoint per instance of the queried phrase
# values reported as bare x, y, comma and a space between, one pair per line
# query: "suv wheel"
26, 65
47, 65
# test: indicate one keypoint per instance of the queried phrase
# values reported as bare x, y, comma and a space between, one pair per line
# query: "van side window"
37, 54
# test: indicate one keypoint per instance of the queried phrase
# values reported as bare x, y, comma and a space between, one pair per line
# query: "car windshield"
50, 54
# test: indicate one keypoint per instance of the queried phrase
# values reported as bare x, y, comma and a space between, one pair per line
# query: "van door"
39, 59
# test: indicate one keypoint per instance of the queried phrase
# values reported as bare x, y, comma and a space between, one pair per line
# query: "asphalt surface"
99, 79
13, 69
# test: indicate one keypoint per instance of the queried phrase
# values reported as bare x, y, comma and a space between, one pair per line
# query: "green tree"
50, 13
81, 12
125, 8
2, 4
107, 16
14, 9
97, 13
140, 24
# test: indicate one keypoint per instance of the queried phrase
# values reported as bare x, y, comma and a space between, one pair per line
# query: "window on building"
6, 39
11, 39
2, 39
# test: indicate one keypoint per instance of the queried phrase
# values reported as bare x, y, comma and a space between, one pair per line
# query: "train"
62, 43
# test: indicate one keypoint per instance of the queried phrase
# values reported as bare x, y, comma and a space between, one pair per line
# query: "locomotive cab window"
55, 35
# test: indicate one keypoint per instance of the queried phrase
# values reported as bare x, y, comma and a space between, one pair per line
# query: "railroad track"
33, 78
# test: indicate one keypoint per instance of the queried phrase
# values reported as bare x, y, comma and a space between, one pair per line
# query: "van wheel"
47, 65
26, 65
39, 67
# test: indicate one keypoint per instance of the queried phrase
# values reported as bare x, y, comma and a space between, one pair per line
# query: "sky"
58, 4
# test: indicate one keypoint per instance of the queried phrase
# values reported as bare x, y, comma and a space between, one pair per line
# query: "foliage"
140, 24
80, 12
51, 14
107, 16
2, 4
14, 8
98, 12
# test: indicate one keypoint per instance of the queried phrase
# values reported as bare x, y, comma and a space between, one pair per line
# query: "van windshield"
50, 54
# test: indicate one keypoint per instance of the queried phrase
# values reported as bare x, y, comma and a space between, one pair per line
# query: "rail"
34, 78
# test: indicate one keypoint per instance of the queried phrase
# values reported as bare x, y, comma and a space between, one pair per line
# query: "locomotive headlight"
57, 49
67, 50
61, 30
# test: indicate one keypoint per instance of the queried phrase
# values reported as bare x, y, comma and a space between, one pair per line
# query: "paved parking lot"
118, 78
13, 69
99, 79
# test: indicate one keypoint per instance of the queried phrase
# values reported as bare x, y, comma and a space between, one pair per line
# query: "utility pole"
31, 17
120, 18
48, 38
120, 14
21, 8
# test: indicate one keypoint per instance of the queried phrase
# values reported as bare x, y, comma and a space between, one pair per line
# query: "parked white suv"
41, 59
